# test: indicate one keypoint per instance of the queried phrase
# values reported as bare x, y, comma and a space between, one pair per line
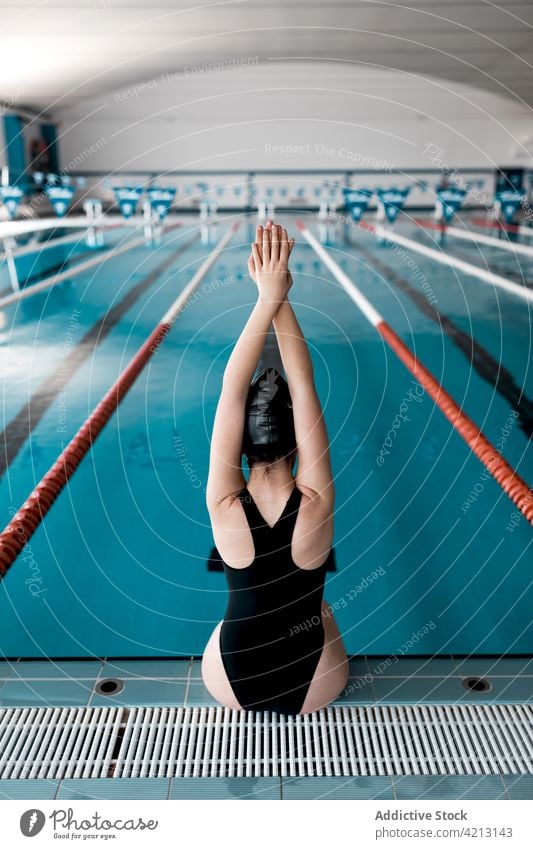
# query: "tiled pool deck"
373, 680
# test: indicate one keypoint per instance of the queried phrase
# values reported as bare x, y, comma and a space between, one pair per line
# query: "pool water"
431, 556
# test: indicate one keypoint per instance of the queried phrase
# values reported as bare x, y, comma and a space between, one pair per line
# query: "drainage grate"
158, 742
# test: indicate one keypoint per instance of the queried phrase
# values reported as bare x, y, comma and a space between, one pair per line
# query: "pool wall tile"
451, 690
335, 787
225, 788
358, 667
114, 788
5, 669
69, 669
449, 787
38, 693
404, 667
519, 786
38, 788
196, 669
358, 691
198, 694
167, 670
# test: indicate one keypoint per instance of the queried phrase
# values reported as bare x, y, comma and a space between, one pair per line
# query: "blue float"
356, 202
11, 197
391, 202
161, 200
448, 202
127, 198
507, 202
60, 198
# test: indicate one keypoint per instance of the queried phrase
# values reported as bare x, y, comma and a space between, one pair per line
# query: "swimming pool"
431, 555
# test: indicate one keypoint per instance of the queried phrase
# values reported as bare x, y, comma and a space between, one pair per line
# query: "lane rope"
11, 229
39, 247
479, 238
20, 428
522, 229
502, 472
454, 262
28, 518
78, 268
487, 367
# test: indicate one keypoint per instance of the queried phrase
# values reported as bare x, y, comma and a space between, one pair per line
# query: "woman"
277, 648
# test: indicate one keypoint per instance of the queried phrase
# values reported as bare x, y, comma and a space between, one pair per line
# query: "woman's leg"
331, 673
214, 674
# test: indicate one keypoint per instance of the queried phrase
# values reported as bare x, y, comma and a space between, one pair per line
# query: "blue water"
432, 557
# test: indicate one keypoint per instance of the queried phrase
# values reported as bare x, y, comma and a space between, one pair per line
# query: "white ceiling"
55, 55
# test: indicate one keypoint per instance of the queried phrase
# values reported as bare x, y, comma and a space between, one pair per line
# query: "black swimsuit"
272, 634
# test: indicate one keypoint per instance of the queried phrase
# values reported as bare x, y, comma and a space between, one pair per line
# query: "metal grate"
161, 742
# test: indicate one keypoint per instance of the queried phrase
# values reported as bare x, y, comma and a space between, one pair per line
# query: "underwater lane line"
28, 518
447, 259
20, 428
502, 472
486, 366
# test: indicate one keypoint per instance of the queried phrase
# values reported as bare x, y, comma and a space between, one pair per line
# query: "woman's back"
272, 633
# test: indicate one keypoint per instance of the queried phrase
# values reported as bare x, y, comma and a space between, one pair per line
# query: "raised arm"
225, 469
314, 473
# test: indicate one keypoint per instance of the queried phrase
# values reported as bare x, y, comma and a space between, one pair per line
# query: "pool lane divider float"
479, 238
509, 480
28, 518
448, 259
487, 367
521, 229
11, 229
12, 251
39, 247
78, 268
19, 429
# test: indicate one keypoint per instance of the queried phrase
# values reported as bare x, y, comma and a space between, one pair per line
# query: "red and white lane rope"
478, 238
454, 262
522, 229
27, 519
509, 480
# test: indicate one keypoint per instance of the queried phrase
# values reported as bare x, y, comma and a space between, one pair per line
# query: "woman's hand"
268, 263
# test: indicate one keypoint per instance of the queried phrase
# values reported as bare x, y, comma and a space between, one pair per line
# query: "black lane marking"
20, 428
488, 368
215, 562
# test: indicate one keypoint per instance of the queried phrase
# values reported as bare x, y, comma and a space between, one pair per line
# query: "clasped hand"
268, 264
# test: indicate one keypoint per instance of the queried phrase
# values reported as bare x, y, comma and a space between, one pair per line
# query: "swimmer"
278, 647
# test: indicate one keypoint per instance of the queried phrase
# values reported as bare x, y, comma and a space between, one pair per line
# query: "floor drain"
477, 685
109, 686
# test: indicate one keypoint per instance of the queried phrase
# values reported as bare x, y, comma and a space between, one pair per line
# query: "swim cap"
269, 423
